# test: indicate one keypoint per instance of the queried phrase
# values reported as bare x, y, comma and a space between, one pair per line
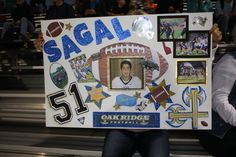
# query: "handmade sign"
136, 72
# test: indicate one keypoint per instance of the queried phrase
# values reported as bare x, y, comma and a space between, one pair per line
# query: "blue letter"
84, 39
102, 32
119, 31
50, 48
69, 46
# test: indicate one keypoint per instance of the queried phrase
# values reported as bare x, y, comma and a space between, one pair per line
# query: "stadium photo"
191, 72
58, 75
198, 45
173, 28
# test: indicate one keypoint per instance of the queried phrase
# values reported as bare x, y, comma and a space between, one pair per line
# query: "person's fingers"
216, 33
214, 27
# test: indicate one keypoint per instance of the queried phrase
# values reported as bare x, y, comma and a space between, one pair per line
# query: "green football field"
89, 78
195, 52
177, 34
191, 79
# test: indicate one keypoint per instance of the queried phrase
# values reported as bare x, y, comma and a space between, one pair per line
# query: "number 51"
56, 104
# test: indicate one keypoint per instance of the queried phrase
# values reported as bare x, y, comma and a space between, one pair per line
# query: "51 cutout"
56, 104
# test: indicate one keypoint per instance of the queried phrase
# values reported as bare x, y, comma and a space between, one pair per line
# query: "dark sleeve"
70, 12
162, 6
101, 9
47, 16
23, 11
85, 5
14, 14
179, 5
30, 14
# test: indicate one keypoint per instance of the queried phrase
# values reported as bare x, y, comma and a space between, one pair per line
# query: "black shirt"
60, 12
23, 10
117, 10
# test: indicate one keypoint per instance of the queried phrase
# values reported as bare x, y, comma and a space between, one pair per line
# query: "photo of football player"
126, 80
191, 72
196, 46
173, 28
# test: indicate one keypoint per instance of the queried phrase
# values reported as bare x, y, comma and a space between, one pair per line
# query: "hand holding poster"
145, 71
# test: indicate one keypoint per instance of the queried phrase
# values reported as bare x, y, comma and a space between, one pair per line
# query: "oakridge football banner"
138, 72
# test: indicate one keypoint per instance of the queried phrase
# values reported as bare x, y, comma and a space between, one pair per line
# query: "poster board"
136, 72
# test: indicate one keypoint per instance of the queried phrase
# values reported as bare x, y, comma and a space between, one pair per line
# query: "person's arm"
14, 14
224, 76
70, 12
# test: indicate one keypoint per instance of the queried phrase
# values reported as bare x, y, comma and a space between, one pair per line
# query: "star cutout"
159, 94
117, 107
137, 95
68, 26
96, 95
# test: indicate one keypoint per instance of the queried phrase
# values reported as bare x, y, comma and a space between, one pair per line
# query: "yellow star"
96, 94
117, 107
137, 95
68, 26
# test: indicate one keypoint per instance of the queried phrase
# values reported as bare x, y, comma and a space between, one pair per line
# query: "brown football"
99, 64
54, 29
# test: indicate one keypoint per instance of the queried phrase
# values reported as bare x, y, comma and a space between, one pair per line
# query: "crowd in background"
224, 10
23, 12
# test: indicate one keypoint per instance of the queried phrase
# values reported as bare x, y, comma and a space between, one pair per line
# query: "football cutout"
99, 61
54, 29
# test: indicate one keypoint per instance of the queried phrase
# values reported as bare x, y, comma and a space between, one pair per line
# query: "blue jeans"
124, 143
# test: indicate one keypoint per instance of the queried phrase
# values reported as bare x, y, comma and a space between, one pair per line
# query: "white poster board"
144, 71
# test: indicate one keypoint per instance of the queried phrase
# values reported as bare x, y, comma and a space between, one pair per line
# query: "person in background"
220, 141
225, 16
70, 2
199, 6
169, 6
119, 7
94, 8
149, 7
23, 18
78, 6
39, 6
2, 7
60, 10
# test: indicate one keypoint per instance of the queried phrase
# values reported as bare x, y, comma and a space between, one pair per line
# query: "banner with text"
140, 71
